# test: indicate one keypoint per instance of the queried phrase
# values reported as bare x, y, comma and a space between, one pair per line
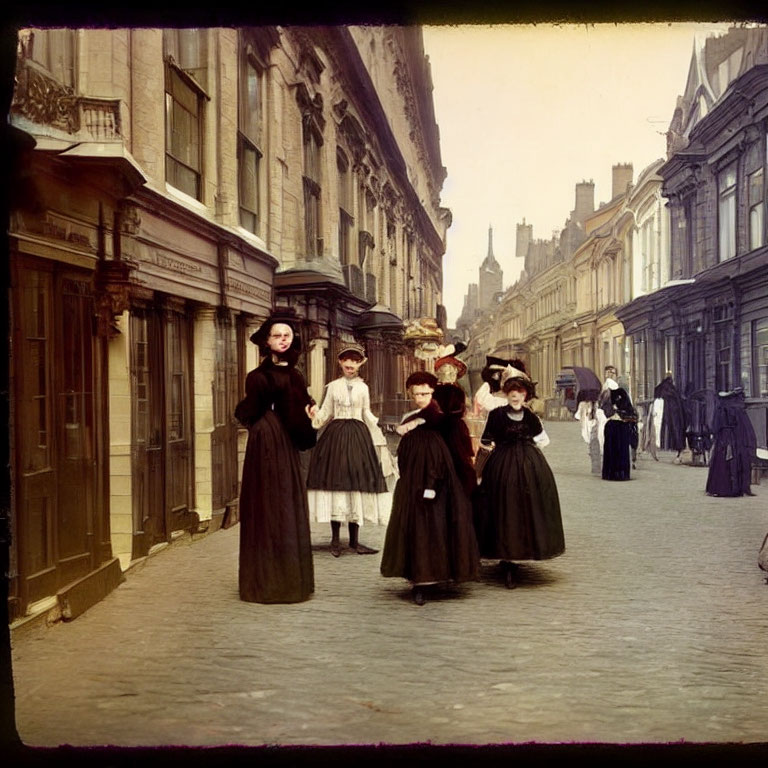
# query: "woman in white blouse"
348, 468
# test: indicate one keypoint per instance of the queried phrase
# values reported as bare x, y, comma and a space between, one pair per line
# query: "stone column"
204, 351
120, 471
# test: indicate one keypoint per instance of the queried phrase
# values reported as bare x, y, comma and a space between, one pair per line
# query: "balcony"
44, 101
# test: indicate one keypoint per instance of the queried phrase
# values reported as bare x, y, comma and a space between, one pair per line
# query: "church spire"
490, 260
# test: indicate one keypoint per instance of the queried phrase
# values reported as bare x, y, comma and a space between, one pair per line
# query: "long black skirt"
275, 546
616, 450
429, 540
730, 465
517, 507
345, 459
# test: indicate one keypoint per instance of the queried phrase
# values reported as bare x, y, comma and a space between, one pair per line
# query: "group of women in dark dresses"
442, 520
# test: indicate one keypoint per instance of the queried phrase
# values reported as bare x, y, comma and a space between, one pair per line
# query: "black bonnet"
260, 336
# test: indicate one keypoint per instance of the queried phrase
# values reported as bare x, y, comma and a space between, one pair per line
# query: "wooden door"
55, 429
226, 394
147, 449
162, 425
36, 478
178, 420
76, 430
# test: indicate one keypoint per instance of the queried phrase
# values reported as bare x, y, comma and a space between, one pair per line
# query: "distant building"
483, 295
707, 320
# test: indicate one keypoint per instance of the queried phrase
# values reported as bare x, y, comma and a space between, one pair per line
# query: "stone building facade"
177, 186
708, 321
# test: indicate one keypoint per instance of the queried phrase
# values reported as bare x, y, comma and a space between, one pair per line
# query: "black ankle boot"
335, 543
354, 544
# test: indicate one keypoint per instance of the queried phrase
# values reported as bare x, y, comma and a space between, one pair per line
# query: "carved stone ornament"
113, 286
130, 219
311, 108
43, 100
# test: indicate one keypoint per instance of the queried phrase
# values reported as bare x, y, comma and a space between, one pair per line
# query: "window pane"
727, 178
761, 356
727, 224
252, 102
746, 357
755, 187
249, 179
756, 227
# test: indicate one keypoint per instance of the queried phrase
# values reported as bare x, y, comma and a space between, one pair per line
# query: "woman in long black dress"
735, 446
620, 436
517, 504
429, 537
275, 548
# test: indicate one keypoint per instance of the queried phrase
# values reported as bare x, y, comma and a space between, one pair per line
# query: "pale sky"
527, 111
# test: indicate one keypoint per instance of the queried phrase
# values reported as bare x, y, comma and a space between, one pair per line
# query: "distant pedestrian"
620, 431
668, 417
430, 538
517, 504
345, 480
734, 448
275, 548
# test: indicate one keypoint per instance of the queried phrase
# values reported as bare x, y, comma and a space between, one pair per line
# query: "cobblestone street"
653, 627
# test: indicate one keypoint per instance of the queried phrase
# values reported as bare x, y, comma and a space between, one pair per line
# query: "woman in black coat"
620, 435
429, 537
275, 548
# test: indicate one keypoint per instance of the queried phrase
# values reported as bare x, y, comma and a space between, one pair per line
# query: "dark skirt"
517, 507
345, 459
275, 547
730, 466
616, 450
429, 540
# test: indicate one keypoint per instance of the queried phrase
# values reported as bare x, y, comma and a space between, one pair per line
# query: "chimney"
622, 178
524, 237
585, 200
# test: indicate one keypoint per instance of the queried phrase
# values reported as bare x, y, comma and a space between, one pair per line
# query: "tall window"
723, 345
761, 357
756, 210
392, 258
408, 302
249, 139
755, 196
346, 220
185, 75
311, 178
726, 190
682, 224
754, 357
649, 256
54, 49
